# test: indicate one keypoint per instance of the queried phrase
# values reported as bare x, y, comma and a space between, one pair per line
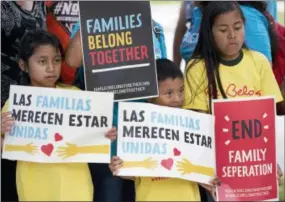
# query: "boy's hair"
35, 38
167, 69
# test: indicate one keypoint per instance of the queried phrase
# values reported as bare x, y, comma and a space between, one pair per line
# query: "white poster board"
58, 125
159, 141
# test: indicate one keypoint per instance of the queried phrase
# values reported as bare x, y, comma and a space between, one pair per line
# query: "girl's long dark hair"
206, 48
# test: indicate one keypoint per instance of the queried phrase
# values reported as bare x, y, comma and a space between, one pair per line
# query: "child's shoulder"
66, 86
255, 55
195, 65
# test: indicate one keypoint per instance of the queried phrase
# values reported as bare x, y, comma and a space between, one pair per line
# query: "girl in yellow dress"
40, 59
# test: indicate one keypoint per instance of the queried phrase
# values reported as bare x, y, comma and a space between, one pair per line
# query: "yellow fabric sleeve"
5, 109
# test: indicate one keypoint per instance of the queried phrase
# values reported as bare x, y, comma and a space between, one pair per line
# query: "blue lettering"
88, 105
139, 20
197, 124
45, 134
39, 100
164, 150
88, 25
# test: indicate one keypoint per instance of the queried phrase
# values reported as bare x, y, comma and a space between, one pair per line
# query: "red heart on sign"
167, 163
58, 137
47, 149
176, 152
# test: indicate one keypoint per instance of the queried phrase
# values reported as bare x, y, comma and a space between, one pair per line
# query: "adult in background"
18, 17
62, 16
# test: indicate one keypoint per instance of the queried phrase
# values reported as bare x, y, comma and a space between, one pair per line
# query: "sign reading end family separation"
58, 125
246, 149
118, 48
159, 141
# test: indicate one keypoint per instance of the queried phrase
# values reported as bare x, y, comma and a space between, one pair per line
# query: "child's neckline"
232, 62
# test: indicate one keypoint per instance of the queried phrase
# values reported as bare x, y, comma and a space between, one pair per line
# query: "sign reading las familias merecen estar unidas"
118, 48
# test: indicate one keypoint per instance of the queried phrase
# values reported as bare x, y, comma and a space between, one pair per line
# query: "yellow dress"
166, 189
53, 182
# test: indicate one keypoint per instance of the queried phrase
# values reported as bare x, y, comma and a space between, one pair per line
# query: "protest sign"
158, 141
245, 149
118, 48
57, 125
280, 145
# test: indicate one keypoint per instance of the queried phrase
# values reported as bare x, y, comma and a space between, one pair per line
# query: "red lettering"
108, 57
100, 58
115, 56
144, 53
92, 55
231, 92
121, 50
137, 53
129, 54
159, 178
251, 92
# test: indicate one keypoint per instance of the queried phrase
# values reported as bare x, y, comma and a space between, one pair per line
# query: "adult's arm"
74, 54
178, 36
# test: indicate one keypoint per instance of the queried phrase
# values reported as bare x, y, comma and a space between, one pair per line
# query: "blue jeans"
108, 188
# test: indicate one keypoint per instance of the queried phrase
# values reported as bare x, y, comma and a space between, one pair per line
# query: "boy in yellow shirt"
171, 94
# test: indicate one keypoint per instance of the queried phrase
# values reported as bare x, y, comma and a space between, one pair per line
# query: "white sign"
57, 125
157, 141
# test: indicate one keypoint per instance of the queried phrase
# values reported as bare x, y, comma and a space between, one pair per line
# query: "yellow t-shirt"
166, 189
53, 182
251, 77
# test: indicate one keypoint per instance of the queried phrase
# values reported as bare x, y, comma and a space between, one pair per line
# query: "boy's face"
171, 93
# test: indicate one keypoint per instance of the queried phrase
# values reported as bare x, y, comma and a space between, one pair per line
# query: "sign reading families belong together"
159, 141
56, 125
118, 48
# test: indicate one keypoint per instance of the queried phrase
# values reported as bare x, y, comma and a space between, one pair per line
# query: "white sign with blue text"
158, 142
58, 125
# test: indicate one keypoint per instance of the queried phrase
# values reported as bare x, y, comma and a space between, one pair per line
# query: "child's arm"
7, 122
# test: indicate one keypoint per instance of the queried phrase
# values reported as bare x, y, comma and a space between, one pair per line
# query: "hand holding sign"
28, 148
7, 122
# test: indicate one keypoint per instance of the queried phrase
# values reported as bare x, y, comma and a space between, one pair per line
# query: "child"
40, 59
171, 94
221, 66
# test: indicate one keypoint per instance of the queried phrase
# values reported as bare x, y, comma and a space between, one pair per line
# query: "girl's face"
228, 32
44, 66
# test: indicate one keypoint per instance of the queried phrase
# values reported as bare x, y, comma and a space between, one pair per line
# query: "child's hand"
214, 182
115, 165
111, 134
279, 175
212, 187
7, 122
